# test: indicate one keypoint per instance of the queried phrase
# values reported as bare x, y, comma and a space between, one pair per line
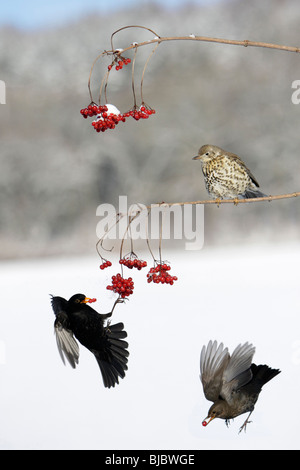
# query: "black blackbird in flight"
232, 382
75, 318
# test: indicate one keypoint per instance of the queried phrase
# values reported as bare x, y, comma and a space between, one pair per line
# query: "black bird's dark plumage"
75, 319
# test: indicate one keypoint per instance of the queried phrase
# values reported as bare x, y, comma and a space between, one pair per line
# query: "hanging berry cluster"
118, 63
108, 116
160, 274
133, 262
142, 113
105, 264
125, 286
120, 285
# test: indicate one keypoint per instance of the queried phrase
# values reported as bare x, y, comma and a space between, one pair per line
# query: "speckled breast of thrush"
226, 175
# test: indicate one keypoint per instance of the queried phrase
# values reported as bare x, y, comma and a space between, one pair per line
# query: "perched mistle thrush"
226, 175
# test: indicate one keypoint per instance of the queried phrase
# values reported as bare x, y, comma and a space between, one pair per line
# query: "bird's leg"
109, 314
236, 201
244, 425
227, 422
118, 301
218, 200
106, 315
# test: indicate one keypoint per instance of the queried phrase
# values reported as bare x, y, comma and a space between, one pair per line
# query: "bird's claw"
244, 425
107, 326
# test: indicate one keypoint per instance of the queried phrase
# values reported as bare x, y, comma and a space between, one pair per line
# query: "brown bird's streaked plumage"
226, 175
232, 382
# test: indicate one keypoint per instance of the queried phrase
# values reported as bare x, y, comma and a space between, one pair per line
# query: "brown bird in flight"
226, 175
232, 382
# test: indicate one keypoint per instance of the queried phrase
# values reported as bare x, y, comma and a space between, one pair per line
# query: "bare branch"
235, 201
233, 42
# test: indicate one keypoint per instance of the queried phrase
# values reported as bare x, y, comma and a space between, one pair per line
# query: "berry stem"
132, 79
130, 26
144, 70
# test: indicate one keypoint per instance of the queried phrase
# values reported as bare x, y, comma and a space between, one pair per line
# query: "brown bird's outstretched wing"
213, 361
238, 370
66, 343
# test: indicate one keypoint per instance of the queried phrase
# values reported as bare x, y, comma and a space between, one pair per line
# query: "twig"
132, 79
233, 42
131, 26
235, 201
158, 39
143, 73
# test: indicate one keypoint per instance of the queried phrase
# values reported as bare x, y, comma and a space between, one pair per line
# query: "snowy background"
232, 296
242, 286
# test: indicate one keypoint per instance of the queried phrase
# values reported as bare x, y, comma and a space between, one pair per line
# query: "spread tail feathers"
263, 373
115, 363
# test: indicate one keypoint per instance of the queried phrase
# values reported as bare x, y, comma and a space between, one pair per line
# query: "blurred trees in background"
56, 170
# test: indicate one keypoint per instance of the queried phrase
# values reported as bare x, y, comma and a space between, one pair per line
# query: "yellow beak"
205, 422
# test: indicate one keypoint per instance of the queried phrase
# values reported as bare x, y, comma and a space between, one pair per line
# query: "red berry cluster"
108, 116
90, 301
93, 110
160, 274
107, 121
133, 263
143, 113
105, 264
121, 62
121, 286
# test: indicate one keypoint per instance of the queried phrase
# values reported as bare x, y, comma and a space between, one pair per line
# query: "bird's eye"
77, 301
207, 153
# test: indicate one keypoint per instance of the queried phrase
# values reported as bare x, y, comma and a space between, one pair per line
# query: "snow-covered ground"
235, 295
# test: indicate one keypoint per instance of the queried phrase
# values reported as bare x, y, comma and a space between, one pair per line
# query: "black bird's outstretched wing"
75, 319
66, 343
112, 359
